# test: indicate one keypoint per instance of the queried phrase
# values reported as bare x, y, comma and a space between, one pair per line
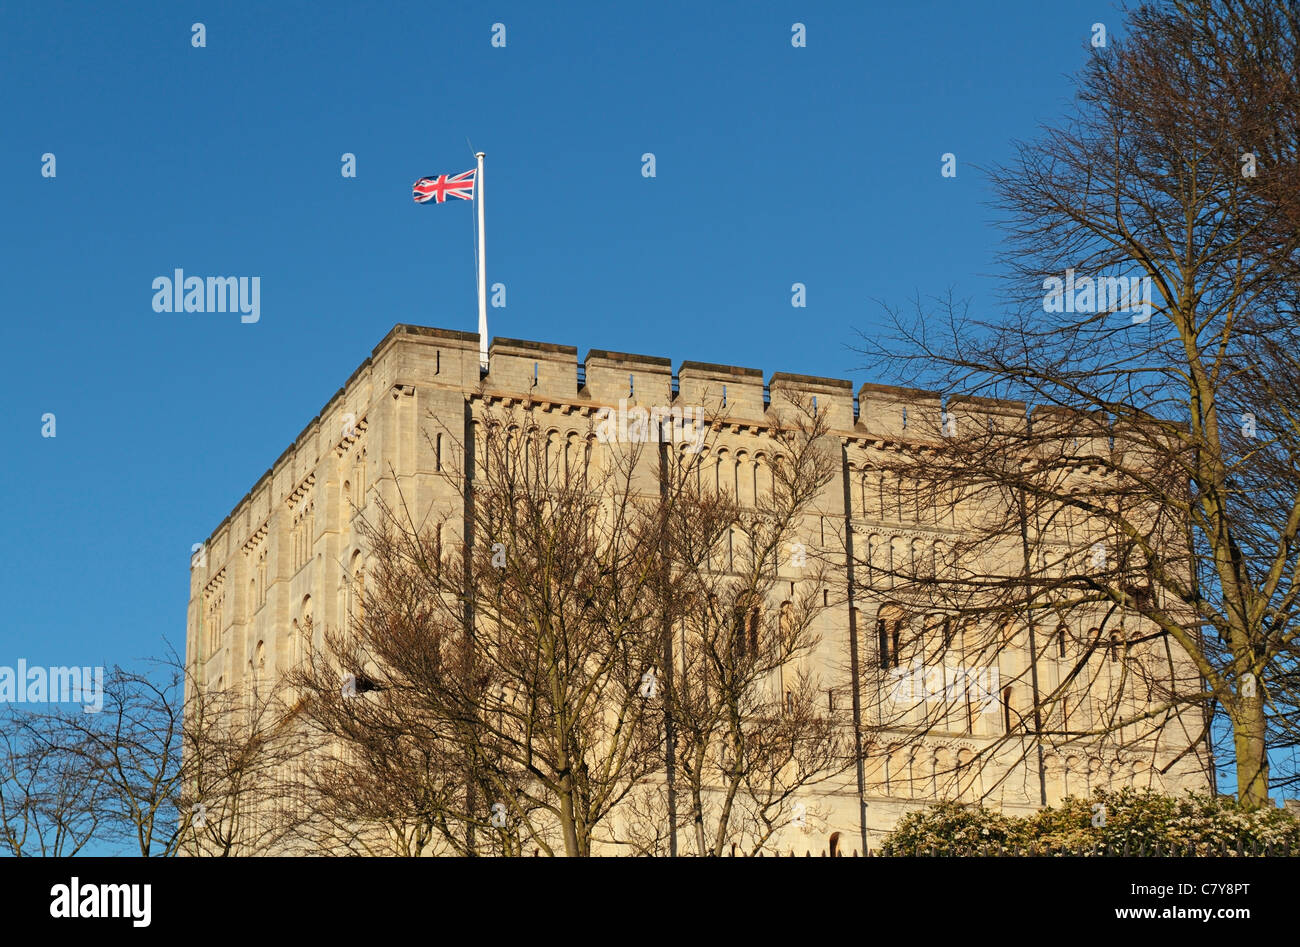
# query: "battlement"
900, 413
448, 359
971, 414
643, 379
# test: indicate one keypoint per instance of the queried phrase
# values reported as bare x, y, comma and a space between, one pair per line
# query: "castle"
937, 716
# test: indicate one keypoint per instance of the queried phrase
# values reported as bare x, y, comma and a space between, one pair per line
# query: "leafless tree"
240, 782
48, 806
1150, 501
497, 705
754, 728
130, 752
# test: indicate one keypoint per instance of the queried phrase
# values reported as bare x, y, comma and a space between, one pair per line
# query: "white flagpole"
482, 269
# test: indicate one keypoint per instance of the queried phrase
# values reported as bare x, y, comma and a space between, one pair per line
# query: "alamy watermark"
921, 684
1098, 294
636, 425
53, 685
181, 293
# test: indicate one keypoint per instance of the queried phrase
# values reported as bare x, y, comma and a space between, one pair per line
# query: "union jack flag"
442, 187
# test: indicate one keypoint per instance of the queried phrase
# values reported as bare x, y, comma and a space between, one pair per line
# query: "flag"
440, 188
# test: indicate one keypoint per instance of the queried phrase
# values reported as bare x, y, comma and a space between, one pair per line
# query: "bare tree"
500, 706
753, 728
241, 790
130, 753
48, 806
1150, 501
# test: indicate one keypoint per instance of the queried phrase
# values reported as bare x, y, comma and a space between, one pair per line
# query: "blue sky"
774, 165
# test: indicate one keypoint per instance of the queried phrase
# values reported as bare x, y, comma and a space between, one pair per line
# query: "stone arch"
356, 586
944, 773
1075, 779
890, 624
741, 481
965, 775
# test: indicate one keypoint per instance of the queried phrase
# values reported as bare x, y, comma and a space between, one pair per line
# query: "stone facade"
288, 553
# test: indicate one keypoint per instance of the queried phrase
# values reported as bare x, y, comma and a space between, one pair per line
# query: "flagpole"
482, 270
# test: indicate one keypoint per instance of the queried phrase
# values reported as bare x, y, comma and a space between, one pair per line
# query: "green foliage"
950, 825
1139, 819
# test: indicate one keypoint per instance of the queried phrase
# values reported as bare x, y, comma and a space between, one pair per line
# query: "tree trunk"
1248, 727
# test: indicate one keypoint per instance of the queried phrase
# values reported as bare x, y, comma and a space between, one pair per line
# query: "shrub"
1139, 819
951, 826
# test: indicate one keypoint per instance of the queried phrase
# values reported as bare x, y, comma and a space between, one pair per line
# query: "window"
744, 625
1006, 708
261, 578
302, 641
356, 585
889, 629
1060, 640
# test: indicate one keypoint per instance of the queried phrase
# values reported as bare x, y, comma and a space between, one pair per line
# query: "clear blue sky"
775, 165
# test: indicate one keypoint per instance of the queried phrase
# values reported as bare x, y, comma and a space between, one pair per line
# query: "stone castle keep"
288, 557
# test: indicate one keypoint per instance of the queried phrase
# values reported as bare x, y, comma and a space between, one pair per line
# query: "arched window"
744, 629
356, 580
1061, 632
744, 496
943, 773
1072, 768
301, 642
965, 773
1006, 708
889, 630
571, 459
